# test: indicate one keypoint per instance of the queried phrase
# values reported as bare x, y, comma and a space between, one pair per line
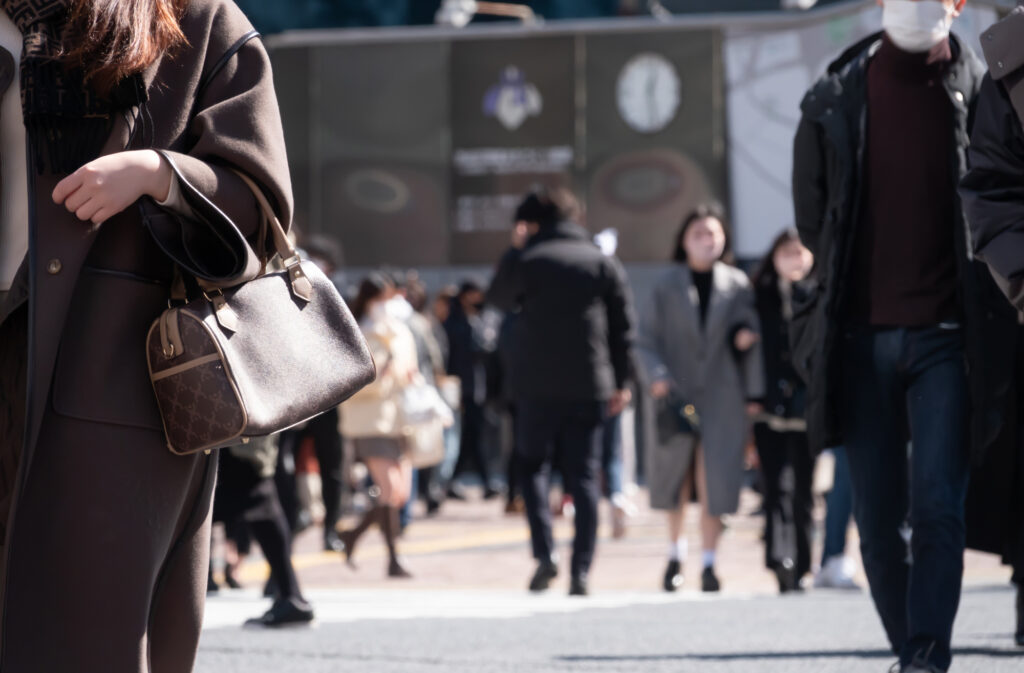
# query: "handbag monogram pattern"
198, 400
258, 358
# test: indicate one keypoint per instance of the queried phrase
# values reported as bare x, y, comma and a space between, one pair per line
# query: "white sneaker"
837, 573
622, 511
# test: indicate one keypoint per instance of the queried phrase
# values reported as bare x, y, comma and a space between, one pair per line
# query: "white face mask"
399, 308
916, 26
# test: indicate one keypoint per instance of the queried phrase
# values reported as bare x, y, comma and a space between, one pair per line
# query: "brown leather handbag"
254, 359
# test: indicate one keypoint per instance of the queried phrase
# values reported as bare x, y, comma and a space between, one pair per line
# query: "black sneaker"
673, 576
542, 578
578, 586
709, 583
332, 542
787, 579
457, 492
283, 614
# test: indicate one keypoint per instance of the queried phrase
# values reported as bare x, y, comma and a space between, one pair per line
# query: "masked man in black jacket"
898, 312
575, 339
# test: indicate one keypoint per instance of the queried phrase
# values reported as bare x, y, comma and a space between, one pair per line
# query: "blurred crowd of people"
477, 394
893, 350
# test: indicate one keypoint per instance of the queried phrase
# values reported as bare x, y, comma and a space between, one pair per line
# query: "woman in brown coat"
125, 103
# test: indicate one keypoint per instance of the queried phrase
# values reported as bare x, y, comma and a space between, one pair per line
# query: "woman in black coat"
780, 431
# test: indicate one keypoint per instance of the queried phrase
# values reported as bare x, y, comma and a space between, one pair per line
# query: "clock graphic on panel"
648, 92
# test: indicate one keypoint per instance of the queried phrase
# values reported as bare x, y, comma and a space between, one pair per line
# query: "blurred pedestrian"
107, 535
837, 568
699, 341
430, 353
470, 344
575, 334
323, 429
508, 353
372, 419
993, 193
787, 464
897, 311
246, 492
440, 309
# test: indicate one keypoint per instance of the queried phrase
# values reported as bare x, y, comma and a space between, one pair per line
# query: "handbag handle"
300, 284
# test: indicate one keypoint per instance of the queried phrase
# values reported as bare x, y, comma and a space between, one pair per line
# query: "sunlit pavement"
467, 610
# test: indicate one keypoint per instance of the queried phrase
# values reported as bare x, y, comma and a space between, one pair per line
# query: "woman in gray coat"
699, 341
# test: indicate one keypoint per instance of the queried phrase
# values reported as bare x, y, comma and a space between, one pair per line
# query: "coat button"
53, 267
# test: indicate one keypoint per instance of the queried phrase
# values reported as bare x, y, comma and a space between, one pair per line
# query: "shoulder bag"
248, 361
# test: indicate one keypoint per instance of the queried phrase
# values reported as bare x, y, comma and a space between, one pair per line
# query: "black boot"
709, 583
546, 572
389, 525
786, 577
349, 538
673, 576
229, 577
332, 541
578, 585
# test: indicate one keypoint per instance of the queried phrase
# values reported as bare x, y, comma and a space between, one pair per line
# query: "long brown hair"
112, 39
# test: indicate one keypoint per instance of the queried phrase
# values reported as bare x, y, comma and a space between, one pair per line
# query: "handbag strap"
300, 284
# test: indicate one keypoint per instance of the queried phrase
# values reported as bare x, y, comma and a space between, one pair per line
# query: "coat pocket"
101, 373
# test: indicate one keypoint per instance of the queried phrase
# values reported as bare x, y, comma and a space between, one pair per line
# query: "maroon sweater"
904, 267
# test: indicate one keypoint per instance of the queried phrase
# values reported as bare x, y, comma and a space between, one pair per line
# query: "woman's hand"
106, 186
745, 339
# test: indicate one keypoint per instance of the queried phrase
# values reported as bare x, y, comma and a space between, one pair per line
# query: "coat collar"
847, 74
561, 231
717, 308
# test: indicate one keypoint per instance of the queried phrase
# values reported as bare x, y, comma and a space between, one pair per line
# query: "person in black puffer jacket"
572, 363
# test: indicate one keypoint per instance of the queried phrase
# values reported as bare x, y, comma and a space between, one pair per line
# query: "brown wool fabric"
96, 476
904, 265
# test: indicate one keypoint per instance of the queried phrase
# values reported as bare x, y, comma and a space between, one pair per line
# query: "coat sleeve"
506, 289
618, 302
234, 125
810, 188
649, 338
752, 363
993, 189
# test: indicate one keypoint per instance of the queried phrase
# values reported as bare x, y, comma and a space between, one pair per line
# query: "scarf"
67, 122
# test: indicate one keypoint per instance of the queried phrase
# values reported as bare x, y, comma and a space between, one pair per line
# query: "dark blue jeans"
838, 507
611, 456
572, 432
909, 385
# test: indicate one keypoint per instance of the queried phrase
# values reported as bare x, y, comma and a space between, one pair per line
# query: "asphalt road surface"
410, 631
467, 609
